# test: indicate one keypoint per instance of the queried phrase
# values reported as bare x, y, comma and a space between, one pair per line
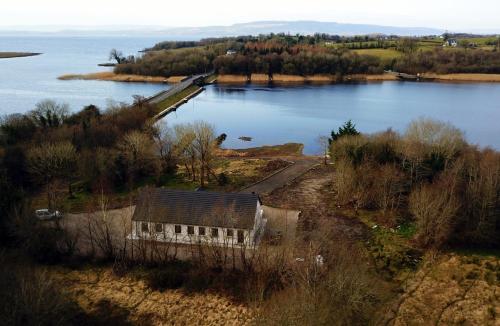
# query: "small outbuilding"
198, 217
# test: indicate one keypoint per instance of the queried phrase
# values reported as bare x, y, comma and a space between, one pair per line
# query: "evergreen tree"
348, 129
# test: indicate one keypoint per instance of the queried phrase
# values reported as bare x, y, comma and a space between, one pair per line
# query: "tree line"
445, 61
429, 176
49, 149
303, 55
270, 57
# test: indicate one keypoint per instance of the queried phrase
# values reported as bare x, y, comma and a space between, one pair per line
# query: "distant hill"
302, 27
252, 28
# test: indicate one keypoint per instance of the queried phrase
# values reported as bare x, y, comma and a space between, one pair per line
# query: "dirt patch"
311, 194
127, 300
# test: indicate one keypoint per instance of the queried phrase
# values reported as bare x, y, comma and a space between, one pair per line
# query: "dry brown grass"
296, 79
260, 78
279, 78
229, 79
465, 77
139, 304
453, 290
111, 76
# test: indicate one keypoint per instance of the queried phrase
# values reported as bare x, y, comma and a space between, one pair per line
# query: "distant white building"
451, 42
231, 52
191, 217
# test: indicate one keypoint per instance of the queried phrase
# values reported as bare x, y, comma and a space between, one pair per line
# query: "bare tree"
435, 207
138, 150
117, 55
324, 143
49, 114
165, 146
52, 161
185, 136
205, 145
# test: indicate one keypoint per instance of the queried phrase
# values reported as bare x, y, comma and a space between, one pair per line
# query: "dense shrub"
450, 189
447, 61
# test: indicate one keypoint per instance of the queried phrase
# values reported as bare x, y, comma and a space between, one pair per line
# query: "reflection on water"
302, 113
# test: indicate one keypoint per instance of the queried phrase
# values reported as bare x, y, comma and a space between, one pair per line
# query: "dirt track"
311, 195
283, 177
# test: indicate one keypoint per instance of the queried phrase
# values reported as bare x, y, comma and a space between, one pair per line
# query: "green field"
424, 44
384, 54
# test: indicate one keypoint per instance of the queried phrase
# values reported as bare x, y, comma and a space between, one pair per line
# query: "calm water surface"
275, 115
270, 115
26, 81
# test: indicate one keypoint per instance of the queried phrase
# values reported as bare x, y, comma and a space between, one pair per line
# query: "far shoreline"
9, 55
287, 79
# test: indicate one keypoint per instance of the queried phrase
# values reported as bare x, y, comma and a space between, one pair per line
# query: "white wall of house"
189, 234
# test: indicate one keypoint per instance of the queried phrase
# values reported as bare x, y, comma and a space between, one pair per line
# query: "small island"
6, 55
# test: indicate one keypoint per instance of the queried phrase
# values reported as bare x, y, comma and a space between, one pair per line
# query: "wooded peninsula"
320, 54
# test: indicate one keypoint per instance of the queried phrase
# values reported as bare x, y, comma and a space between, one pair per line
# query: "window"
230, 233
215, 233
178, 229
144, 227
241, 236
201, 230
190, 230
159, 228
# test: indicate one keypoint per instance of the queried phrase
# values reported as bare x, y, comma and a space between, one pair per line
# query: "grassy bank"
328, 79
5, 55
289, 149
111, 76
464, 77
296, 79
168, 102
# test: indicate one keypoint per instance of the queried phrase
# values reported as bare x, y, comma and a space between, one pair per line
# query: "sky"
454, 15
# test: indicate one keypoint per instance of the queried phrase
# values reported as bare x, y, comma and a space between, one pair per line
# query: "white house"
231, 52
191, 217
451, 42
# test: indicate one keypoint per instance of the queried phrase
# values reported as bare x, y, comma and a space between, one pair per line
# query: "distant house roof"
212, 209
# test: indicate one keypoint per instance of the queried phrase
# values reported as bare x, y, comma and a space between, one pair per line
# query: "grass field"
383, 54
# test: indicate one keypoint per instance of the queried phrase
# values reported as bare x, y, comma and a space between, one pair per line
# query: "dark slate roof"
212, 209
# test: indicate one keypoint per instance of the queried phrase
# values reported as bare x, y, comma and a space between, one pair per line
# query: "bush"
170, 276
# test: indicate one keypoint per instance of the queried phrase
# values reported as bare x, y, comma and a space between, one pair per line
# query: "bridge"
177, 88
187, 82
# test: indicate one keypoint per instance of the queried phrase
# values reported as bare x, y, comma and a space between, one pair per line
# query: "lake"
270, 115
26, 81
276, 115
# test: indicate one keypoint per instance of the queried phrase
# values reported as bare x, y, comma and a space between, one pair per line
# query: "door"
241, 236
